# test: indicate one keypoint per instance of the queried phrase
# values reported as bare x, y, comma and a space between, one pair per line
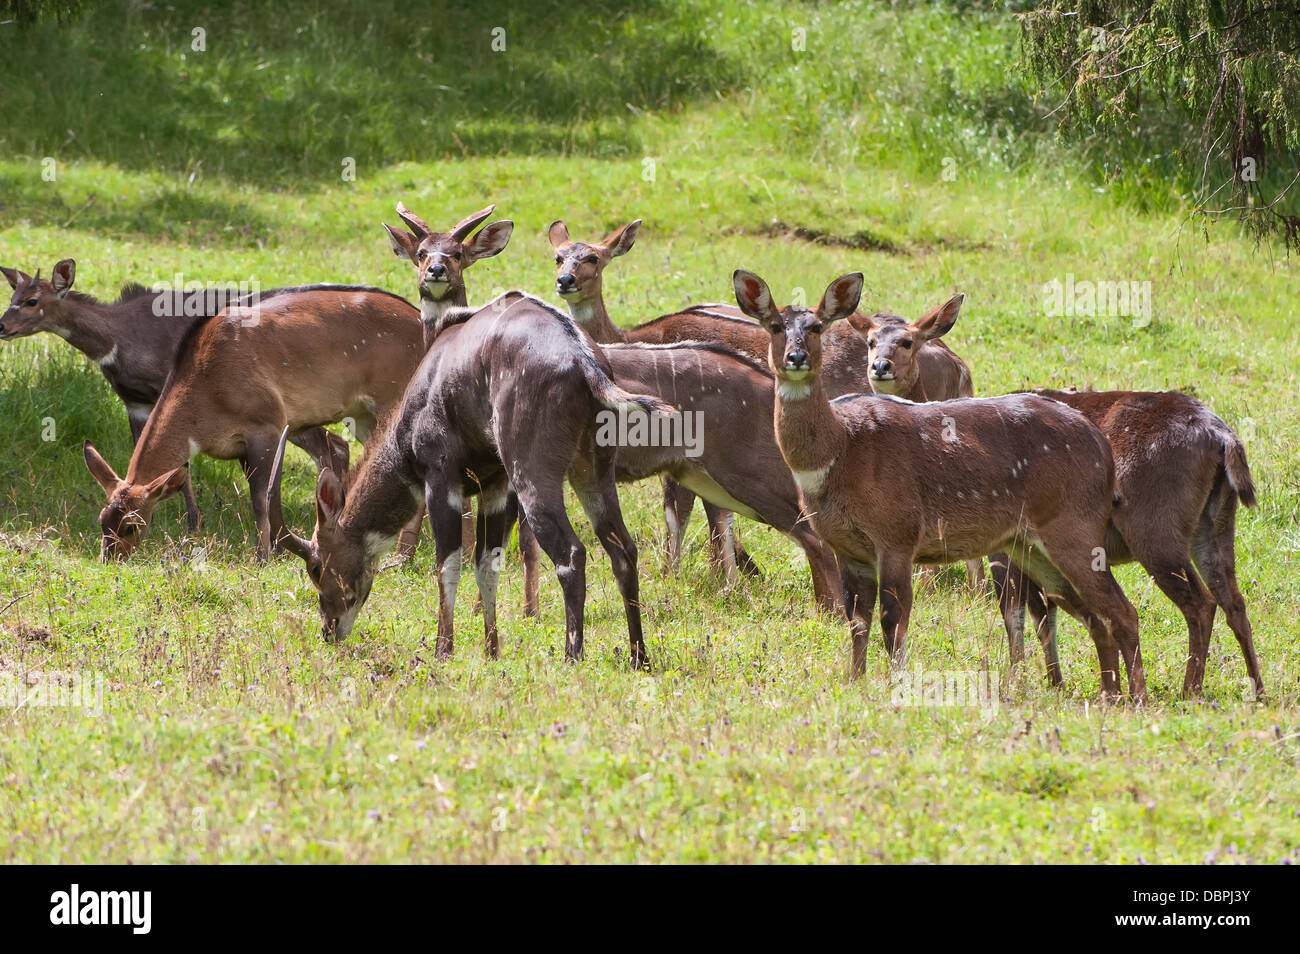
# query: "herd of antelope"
857, 435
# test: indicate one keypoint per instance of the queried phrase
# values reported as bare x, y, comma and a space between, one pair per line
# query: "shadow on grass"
287, 93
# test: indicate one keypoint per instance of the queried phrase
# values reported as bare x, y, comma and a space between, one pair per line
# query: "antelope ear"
104, 475
329, 498
841, 297
14, 277
489, 240
160, 488
939, 322
863, 324
620, 242
754, 297
403, 242
558, 233
62, 276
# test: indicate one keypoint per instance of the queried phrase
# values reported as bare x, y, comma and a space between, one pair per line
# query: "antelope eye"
422, 255
314, 572
907, 342
559, 260
456, 256
591, 260
30, 303
775, 328
871, 342
815, 327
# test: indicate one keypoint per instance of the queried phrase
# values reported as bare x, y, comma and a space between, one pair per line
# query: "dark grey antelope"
506, 399
133, 341
440, 260
889, 483
1181, 472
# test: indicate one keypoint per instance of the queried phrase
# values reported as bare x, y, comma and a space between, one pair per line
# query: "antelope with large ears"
907, 358
449, 441
440, 259
133, 342
295, 359
909, 361
889, 483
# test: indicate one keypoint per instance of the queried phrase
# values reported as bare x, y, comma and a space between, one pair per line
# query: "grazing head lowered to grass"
469, 426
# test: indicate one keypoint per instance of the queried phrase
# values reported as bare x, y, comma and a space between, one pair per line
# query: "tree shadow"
289, 94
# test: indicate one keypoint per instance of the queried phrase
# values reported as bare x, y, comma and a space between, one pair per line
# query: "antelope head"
125, 520
338, 564
440, 258
795, 352
36, 305
894, 344
578, 265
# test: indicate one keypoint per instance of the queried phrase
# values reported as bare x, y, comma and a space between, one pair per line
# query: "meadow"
898, 140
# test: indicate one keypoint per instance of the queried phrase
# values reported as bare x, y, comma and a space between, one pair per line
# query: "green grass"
230, 732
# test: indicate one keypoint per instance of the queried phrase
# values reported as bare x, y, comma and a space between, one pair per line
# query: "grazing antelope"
720, 445
1180, 471
506, 398
299, 358
133, 341
888, 483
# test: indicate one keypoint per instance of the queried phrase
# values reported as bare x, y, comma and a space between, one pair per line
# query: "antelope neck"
810, 434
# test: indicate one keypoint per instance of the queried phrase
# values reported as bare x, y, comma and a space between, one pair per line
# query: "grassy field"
900, 142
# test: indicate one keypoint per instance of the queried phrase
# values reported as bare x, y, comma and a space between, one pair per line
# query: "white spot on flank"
194, 448
812, 481
109, 359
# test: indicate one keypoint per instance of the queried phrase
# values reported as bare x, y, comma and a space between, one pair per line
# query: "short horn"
413, 221
470, 223
299, 546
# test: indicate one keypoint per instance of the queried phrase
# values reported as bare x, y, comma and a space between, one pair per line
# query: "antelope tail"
1234, 463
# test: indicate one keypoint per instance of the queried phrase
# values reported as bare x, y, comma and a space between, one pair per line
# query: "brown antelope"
470, 426
440, 260
933, 373
299, 358
908, 360
1180, 471
888, 483
133, 341
720, 445
578, 280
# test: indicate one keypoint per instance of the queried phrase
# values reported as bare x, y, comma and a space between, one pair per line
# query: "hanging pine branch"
1231, 65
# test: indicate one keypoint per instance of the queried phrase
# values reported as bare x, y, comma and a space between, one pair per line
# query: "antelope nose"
566, 283
796, 359
437, 271
883, 366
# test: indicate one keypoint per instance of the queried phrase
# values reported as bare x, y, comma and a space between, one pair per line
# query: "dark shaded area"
284, 94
